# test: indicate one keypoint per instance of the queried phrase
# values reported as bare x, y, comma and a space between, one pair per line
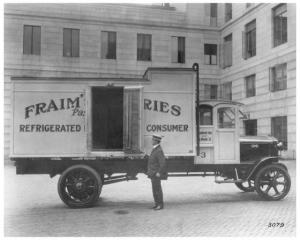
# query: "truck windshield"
226, 117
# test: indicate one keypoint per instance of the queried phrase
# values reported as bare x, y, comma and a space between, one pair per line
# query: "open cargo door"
107, 125
132, 116
116, 119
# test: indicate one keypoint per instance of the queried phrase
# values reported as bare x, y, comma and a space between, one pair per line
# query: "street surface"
194, 206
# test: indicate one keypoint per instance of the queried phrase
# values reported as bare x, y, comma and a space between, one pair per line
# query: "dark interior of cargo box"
107, 118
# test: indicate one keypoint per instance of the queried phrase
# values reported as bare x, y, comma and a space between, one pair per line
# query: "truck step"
228, 180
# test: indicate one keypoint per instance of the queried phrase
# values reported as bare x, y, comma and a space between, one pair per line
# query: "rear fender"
263, 162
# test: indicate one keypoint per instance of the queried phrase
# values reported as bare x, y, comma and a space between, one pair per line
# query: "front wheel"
79, 186
247, 186
272, 182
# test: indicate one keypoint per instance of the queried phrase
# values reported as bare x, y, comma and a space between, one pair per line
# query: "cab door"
206, 135
226, 122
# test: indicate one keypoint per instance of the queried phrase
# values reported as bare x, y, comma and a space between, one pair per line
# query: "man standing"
157, 171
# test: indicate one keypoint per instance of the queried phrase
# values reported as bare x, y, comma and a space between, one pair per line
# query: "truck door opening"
206, 154
107, 118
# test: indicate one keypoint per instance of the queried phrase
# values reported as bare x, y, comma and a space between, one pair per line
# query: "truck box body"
86, 118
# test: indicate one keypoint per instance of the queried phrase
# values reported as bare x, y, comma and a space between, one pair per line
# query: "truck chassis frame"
260, 176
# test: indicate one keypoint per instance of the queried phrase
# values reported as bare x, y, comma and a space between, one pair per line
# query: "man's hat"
157, 137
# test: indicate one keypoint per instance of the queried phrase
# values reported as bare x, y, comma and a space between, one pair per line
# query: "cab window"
226, 117
205, 115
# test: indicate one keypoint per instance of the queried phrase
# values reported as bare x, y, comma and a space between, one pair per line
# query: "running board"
120, 178
229, 181
238, 180
191, 174
114, 181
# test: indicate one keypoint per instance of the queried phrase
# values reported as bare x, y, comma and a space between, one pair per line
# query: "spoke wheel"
79, 186
247, 186
272, 182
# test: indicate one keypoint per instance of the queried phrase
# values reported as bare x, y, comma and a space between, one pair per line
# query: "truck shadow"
106, 205
122, 207
207, 199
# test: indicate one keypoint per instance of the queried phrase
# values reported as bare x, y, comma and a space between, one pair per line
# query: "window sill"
29, 55
281, 44
250, 96
281, 94
109, 59
280, 90
226, 67
246, 58
139, 60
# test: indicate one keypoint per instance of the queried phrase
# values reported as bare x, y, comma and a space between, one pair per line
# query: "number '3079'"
275, 224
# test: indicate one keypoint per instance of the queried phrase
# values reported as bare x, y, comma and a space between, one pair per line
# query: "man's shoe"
159, 207
154, 207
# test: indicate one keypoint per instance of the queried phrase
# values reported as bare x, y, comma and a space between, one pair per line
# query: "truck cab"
219, 132
221, 139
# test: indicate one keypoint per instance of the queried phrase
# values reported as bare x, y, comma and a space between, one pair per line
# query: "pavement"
194, 207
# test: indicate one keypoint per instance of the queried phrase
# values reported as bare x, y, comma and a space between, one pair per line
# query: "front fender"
261, 163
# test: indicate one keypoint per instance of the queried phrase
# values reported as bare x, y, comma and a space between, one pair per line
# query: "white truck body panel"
175, 114
56, 128
52, 118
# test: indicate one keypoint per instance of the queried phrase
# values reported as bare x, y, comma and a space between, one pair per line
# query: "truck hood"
257, 139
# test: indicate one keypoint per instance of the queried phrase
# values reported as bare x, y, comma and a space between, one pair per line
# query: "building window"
250, 127
226, 91
108, 45
249, 40
210, 91
279, 129
250, 85
210, 54
213, 14
71, 42
178, 49
227, 51
278, 77
144, 47
280, 24
228, 11
32, 40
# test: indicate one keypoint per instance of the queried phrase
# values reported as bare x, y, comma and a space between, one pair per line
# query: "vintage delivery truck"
97, 131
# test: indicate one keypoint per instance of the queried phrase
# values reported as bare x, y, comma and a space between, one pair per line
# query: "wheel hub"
80, 185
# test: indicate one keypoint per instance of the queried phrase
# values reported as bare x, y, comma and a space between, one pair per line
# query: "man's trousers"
157, 191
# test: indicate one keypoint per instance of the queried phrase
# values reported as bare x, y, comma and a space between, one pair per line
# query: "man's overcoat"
157, 163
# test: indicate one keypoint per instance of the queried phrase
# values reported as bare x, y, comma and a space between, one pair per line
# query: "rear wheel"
272, 182
79, 186
247, 186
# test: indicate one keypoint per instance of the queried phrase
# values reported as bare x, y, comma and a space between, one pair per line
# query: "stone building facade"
246, 52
